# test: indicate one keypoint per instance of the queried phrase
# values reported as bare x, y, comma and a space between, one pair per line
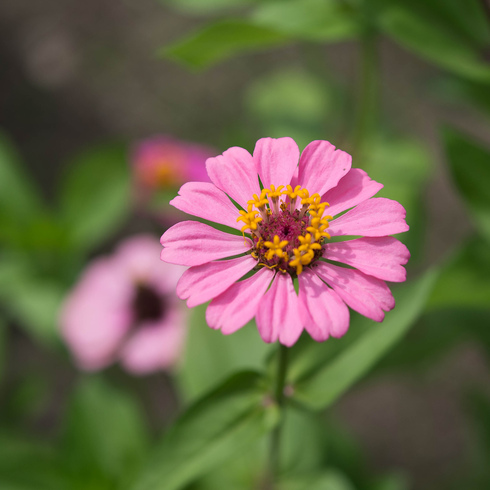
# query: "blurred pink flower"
287, 240
162, 162
124, 308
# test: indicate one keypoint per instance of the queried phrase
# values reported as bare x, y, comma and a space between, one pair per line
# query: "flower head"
162, 163
124, 308
293, 232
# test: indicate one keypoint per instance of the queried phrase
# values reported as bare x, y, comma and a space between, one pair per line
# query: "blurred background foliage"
404, 86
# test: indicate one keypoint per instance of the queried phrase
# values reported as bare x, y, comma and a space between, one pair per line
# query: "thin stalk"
274, 455
486, 7
367, 113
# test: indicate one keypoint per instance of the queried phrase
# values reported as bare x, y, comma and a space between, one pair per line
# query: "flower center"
147, 304
287, 227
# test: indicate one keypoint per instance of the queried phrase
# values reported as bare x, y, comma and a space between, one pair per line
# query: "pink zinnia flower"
162, 162
287, 227
124, 308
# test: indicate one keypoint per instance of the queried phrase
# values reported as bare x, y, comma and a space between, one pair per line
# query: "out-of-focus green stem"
274, 455
368, 108
486, 8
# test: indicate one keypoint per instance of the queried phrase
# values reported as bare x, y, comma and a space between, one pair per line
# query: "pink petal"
322, 311
382, 257
155, 346
375, 217
278, 313
192, 243
196, 159
321, 167
234, 172
165, 279
354, 188
138, 258
204, 282
295, 178
235, 307
97, 314
205, 200
276, 160
365, 294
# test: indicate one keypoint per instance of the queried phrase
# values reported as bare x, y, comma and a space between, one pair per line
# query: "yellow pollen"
273, 192
273, 195
259, 202
293, 194
301, 259
250, 219
307, 244
268, 266
265, 213
304, 194
275, 248
317, 228
315, 204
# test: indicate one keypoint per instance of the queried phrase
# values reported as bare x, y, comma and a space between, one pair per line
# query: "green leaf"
313, 20
469, 163
34, 301
459, 92
95, 196
321, 386
222, 40
403, 166
29, 465
218, 427
294, 103
298, 458
391, 482
433, 336
429, 30
3, 346
465, 281
210, 357
25, 400
18, 196
330, 479
104, 438
207, 6
20, 204
478, 403
464, 19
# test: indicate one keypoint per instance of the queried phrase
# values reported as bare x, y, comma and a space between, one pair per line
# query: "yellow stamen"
293, 195
275, 248
259, 202
301, 259
274, 194
268, 266
315, 204
317, 228
304, 194
262, 217
250, 219
307, 244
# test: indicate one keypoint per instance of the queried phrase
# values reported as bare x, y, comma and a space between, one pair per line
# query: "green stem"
368, 93
274, 455
486, 8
